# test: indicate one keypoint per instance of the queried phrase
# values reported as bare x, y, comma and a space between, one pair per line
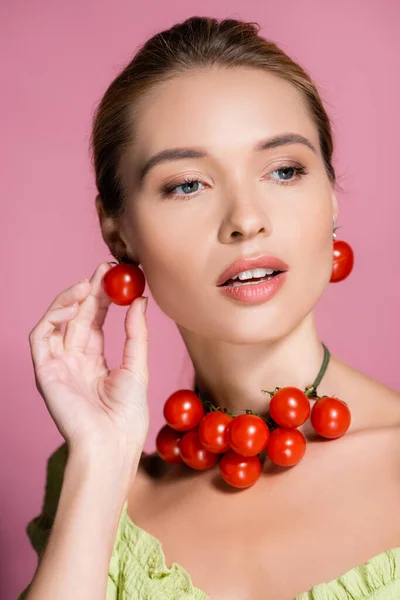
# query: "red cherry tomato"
167, 444
248, 435
289, 407
239, 471
123, 283
330, 417
183, 410
286, 447
194, 454
213, 431
343, 260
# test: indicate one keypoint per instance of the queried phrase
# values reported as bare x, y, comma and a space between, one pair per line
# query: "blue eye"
288, 172
189, 187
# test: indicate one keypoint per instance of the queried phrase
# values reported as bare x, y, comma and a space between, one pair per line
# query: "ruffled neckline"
358, 583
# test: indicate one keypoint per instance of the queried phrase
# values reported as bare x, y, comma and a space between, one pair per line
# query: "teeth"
254, 273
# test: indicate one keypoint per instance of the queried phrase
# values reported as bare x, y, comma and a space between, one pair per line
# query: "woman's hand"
91, 405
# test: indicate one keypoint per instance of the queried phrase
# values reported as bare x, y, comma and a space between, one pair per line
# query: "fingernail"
144, 304
83, 280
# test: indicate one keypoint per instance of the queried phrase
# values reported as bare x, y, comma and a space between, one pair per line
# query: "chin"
264, 325
258, 333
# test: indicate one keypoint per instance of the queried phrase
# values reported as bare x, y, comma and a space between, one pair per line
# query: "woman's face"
239, 202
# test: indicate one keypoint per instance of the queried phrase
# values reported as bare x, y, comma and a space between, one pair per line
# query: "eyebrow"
171, 154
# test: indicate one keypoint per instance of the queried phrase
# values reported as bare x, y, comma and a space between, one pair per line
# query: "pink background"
58, 58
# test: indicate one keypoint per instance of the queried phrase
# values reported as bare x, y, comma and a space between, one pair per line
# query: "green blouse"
138, 570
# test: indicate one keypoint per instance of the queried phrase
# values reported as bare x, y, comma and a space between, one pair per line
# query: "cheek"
170, 254
309, 247
165, 255
312, 265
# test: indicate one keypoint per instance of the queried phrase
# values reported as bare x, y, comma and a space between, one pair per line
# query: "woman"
211, 149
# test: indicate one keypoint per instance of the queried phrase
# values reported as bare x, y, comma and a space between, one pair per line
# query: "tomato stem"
322, 371
268, 392
311, 392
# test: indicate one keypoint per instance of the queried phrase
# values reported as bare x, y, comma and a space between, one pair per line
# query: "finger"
95, 344
135, 348
80, 292
56, 341
68, 297
88, 322
40, 336
75, 293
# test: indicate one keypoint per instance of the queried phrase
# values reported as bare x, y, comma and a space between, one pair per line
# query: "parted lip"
248, 263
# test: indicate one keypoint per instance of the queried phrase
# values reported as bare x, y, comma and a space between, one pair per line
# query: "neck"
232, 376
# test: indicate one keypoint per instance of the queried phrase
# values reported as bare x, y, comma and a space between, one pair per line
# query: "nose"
245, 218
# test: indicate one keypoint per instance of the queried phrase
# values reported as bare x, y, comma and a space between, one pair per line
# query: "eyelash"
168, 190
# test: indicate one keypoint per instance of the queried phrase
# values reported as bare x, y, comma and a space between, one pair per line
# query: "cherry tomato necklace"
200, 434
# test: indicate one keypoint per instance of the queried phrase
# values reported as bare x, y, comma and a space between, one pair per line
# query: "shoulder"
373, 404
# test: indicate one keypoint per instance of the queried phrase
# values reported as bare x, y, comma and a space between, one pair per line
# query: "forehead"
222, 109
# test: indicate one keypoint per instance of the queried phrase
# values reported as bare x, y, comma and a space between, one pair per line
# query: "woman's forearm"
76, 559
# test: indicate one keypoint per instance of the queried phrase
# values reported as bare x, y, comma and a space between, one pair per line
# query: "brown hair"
196, 42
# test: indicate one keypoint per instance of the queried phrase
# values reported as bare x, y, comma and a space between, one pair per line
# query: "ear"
110, 230
335, 209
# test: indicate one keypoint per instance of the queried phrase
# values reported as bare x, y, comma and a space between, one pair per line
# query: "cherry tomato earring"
124, 282
343, 259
